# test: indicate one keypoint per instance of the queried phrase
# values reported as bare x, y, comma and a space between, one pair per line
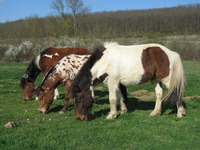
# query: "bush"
27, 50
22, 52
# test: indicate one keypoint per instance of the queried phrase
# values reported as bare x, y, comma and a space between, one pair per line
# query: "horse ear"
77, 89
22, 82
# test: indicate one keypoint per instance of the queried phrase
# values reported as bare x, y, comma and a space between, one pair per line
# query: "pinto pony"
42, 63
116, 64
63, 72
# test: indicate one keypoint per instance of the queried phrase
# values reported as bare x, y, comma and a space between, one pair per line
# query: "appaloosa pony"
42, 63
62, 73
116, 64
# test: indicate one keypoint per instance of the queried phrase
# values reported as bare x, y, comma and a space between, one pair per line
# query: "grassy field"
134, 130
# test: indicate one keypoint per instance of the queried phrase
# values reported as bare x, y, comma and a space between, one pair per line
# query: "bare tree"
71, 11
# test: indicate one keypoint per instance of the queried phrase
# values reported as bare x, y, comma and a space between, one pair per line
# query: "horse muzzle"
43, 112
81, 117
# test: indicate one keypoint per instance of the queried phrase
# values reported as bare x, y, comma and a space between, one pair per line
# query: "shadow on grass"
59, 107
136, 104
132, 105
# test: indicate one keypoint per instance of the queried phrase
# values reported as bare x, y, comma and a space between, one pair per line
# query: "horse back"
52, 55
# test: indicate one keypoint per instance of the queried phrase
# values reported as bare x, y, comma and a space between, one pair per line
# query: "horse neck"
50, 86
48, 83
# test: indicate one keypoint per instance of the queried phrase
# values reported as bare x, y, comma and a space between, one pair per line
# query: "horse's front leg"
113, 89
65, 107
56, 94
67, 97
92, 91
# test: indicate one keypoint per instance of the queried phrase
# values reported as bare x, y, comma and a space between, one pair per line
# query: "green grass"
134, 130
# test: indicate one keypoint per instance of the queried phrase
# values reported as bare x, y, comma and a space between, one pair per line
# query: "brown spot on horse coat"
155, 63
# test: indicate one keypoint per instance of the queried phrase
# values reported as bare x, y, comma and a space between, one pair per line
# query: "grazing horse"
42, 63
116, 64
62, 73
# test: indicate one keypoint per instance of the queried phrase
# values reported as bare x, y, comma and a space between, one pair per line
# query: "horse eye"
76, 101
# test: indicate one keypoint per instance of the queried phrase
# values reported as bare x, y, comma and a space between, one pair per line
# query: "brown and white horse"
42, 63
130, 65
62, 73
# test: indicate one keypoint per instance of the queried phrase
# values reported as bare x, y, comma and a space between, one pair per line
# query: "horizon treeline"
115, 24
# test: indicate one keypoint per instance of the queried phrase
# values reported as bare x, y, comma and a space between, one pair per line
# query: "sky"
11, 10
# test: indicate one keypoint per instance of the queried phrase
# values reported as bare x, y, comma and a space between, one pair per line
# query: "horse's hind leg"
159, 93
56, 94
92, 91
181, 110
122, 94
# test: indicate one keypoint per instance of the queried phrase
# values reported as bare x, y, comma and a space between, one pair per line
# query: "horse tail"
176, 83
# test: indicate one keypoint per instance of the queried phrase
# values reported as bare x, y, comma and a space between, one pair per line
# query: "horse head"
27, 88
45, 97
82, 102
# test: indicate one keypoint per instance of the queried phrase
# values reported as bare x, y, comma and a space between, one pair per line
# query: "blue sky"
11, 10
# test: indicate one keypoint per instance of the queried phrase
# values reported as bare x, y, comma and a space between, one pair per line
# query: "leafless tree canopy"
71, 11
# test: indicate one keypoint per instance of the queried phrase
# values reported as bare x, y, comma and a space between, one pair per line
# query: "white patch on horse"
37, 60
50, 56
56, 54
129, 71
25, 76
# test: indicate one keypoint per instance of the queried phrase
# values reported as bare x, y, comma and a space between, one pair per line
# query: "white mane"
110, 44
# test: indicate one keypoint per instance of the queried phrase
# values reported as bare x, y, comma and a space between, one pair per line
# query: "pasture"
134, 130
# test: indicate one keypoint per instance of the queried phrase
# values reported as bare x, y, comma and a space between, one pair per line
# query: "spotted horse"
62, 73
42, 63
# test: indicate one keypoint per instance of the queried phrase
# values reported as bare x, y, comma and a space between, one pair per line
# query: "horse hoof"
123, 111
154, 114
61, 112
181, 115
111, 116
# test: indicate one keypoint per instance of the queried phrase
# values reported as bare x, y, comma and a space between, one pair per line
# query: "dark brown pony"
42, 63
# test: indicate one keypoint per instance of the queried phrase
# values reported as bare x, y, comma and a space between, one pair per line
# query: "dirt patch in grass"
143, 94
100, 88
190, 97
146, 95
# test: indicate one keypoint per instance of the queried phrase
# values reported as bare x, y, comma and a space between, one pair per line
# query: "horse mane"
45, 51
49, 73
83, 78
32, 70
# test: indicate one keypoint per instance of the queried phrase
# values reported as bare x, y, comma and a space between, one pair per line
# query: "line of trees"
129, 23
